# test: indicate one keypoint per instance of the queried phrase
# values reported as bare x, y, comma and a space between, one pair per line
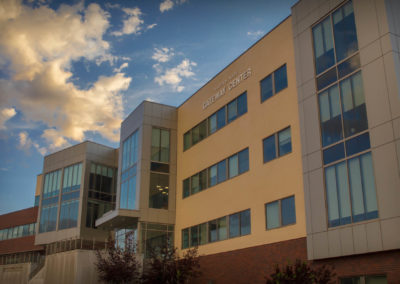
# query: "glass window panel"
185, 238
285, 142
221, 118
212, 231
234, 225
272, 211
368, 181
195, 184
288, 211
132, 193
232, 111
330, 116
245, 224
280, 79
187, 140
212, 123
203, 179
242, 104
75, 177
345, 32
79, 178
70, 176
203, 233
354, 116
194, 236
357, 198
164, 146
333, 153
155, 144
221, 176
266, 88
203, 129
212, 175
326, 79
269, 148
358, 144
233, 166
124, 195
244, 161
65, 181
159, 188
222, 229
186, 187
332, 196
323, 46
343, 193
195, 134
348, 66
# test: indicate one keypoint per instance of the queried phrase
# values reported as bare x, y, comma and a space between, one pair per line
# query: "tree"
118, 265
166, 267
301, 273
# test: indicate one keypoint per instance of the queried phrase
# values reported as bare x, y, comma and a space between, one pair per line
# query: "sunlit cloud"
38, 57
173, 76
26, 143
166, 5
163, 54
133, 23
6, 114
149, 27
123, 66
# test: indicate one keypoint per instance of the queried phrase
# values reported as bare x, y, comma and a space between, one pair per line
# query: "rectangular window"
231, 226
273, 83
350, 191
280, 213
277, 145
225, 169
369, 279
160, 145
216, 121
159, 189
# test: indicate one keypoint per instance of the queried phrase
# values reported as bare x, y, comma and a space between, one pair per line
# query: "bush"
117, 265
301, 273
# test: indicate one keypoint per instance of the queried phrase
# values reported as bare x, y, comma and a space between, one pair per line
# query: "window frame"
280, 213
277, 146
273, 83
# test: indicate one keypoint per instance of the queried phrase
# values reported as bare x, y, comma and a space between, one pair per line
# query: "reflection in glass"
272, 211
323, 46
159, 188
285, 142
280, 79
266, 88
269, 148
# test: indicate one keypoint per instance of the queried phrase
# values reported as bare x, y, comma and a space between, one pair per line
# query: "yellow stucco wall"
263, 183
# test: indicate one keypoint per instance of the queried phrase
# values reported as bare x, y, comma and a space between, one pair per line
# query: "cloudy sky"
71, 71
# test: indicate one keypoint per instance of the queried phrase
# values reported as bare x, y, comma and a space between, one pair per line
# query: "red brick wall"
19, 245
21, 217
252, 265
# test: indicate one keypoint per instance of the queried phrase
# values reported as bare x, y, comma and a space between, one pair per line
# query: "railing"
36, 267
73, 244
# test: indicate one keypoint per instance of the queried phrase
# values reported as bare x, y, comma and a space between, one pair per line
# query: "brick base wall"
252, 265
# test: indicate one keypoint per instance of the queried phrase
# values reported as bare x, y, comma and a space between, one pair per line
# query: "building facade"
290, 152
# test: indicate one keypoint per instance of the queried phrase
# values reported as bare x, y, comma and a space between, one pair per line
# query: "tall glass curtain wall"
101, 196
349, 174
70, 196
154, 237
128, 172
50, 196
159, 168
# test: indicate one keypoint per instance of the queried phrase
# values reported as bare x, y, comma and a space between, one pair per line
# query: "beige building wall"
263, 183
15, 273
378, 27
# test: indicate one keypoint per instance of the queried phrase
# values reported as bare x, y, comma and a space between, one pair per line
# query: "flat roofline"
242, 54
76, 145
14, 212
143, 102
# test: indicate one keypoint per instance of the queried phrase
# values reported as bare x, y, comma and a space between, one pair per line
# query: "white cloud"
123, 66
6, 114
149, 27
133, 24
166, 5
39, 46
173, 76
255, 34
25, 143
163, 54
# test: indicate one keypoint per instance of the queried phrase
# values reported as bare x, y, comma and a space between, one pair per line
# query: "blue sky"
71, 71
